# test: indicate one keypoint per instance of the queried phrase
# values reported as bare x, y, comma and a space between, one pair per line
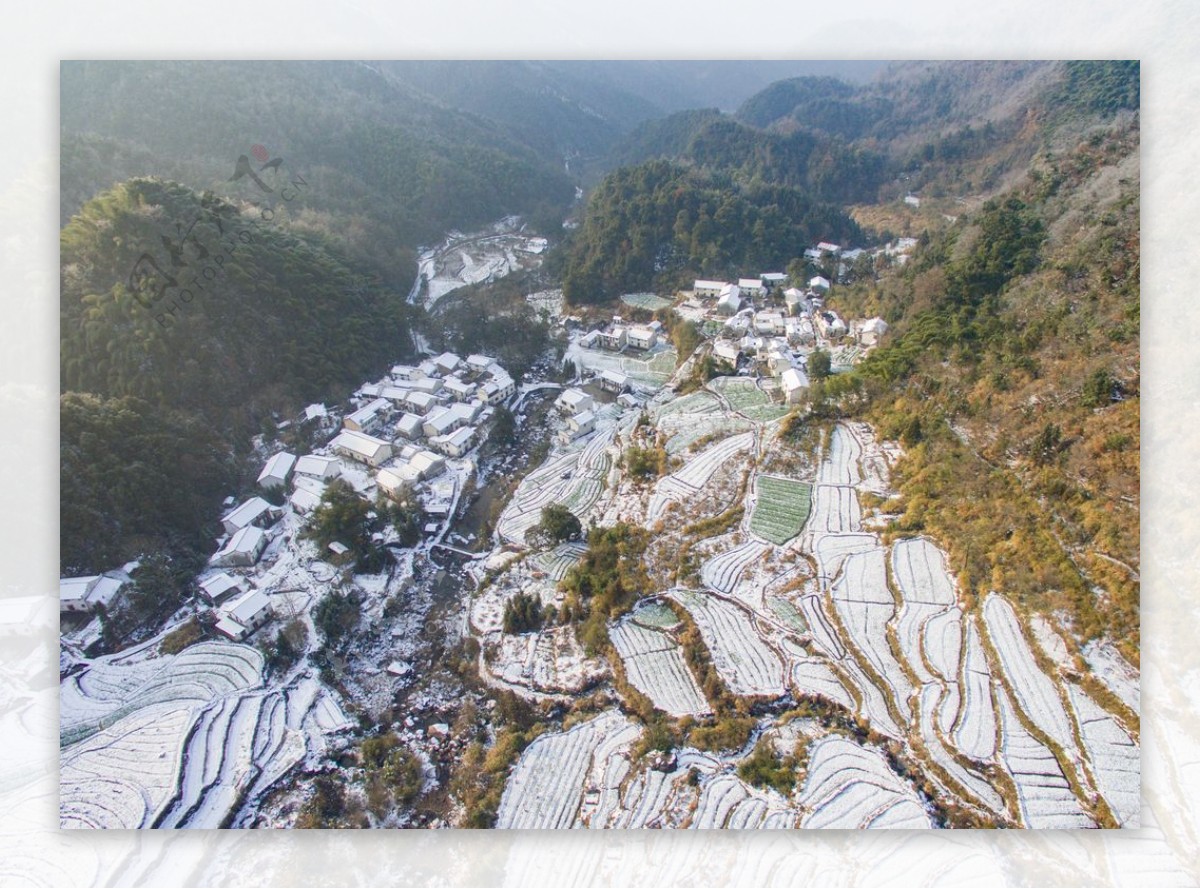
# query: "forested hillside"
1014, 374
283, 320
657, 224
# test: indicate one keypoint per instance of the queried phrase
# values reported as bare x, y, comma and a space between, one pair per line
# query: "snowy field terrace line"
849, 786
655, 666
744, 660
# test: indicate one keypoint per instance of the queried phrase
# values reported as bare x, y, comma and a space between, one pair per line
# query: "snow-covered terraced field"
573, 478
840, 464
746, 663
199, 674
548, 783
655, 666
849, 786
685, 429
781, 508
123, 776
978, 790
835, 510
831, 550
975, 732
1115, 672
550, 661
722, 573
684, 484
1044, 795
813, 676
1035, 692
728, 801
865, 606
1114, 757
558, 561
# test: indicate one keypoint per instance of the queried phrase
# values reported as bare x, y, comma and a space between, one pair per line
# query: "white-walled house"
254, 511
795, 384
242, 616
642, 337
85, 594
613, 381
410, 426
752, 287
872, 331
572, 401
703, 288
456, 443
242, 549
727, 350
316, 466
730, 300
818, 284
363, 448
448, 362
275, 474
368, 417
219, 587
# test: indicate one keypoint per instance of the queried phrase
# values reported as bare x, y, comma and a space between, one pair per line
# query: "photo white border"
1161, 34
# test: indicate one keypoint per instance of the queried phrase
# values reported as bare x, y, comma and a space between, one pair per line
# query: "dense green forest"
259, 320
660, 223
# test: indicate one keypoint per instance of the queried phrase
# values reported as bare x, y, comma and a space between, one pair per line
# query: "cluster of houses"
403, 427
618, 336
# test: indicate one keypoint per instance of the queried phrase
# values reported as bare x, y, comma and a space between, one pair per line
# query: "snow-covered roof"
315, 410
583, 418
409, 424
76, 589
827, 247
360, 443
793, 378
773, 276
572, 398
614, 376
312, 464
278, 467
750, 283
424, 461
304, 500
246, 607
422, 401
480, 362
248, 512
875, 325
460, 437
219, 584
709, 285
727, 350
447, 361
391, 479
368, 412
818, 281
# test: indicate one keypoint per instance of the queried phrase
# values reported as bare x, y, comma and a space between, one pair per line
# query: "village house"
498, 389
85, 594
727, 350
369, 417
826, 247
752, 287
242, 616
613, 381
460, 391
317, 467
448, 362
769, 323
572, 401
304, 500
795, 384
772, 280
420, 402
872, 331
776, 357
799, 331
440, 422
704, 289
315, 412
254, 511
363, 448
456, 443
219, 587
581, 424
410, 426
480, 364
397, 392
403, 371
393, 481
242, 549
641, 337
830, 325
614, 339
277, 471
730, 300
427, 369
427, 464
429, 385
794, 299
818, 284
